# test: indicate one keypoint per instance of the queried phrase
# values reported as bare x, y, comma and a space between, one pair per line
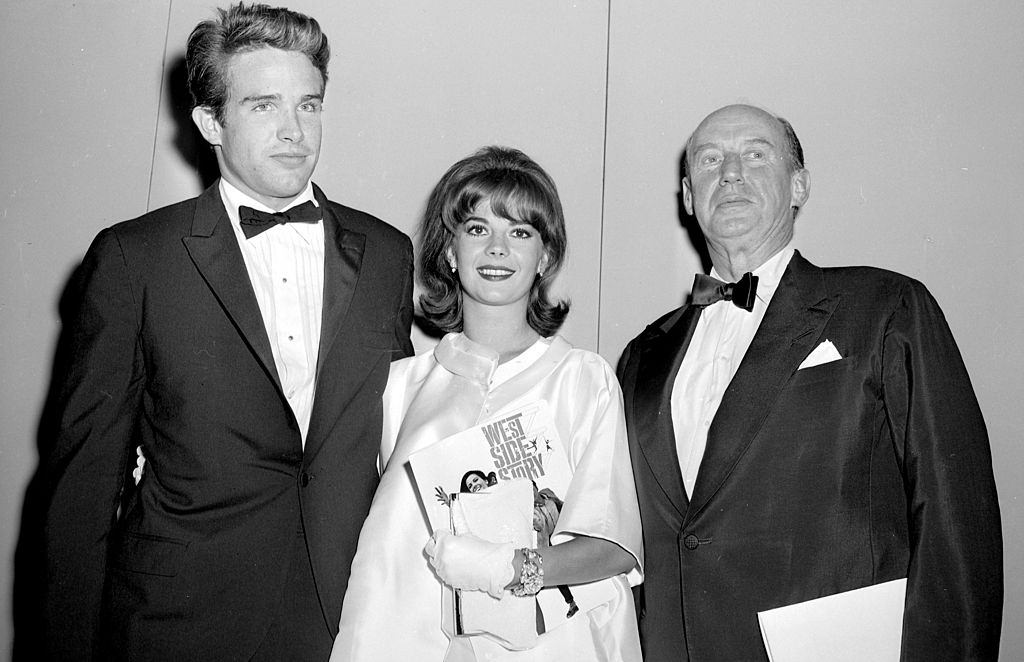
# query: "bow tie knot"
255, 221
708, 290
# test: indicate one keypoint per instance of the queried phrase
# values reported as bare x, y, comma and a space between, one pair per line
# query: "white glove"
139, 464
470, 563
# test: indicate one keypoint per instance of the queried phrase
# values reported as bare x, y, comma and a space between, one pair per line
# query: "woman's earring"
453, 267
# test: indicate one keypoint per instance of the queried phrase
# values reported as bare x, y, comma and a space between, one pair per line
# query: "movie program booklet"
520, 452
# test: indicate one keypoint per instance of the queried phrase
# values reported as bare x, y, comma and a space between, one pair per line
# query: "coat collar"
344, 249
793, 323
661, 348
343, 261
214, 250
477, 363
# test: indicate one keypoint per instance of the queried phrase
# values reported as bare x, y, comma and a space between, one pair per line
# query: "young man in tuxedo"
799, 431
242, 340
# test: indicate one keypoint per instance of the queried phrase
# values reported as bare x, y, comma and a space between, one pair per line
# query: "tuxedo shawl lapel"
660, 356
794, 321
214, 250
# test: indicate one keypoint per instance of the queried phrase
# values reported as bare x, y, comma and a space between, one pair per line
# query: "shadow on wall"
30, 582
187, 139
29, 567
689, 223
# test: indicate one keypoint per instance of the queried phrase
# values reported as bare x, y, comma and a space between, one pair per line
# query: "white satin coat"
392, 607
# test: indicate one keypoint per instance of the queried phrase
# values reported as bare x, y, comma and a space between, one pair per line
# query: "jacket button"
690, 542
304, 479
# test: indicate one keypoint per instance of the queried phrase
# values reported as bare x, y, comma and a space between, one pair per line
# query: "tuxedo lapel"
214, 250
794, 321
343, 258
659, 360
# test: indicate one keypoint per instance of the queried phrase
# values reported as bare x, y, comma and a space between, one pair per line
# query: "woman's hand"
470, 563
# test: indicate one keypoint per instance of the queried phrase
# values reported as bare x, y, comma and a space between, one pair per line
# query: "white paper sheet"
863, 625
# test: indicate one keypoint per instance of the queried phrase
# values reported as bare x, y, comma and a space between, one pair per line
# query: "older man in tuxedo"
799, 431
242, 340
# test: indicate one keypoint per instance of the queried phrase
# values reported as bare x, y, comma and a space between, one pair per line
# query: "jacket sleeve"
82, 469
403, 320
955, 583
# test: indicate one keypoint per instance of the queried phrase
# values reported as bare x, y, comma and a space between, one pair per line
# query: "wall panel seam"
604, 171
159, 106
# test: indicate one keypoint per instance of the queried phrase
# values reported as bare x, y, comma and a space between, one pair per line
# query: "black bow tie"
255, 221
708, 290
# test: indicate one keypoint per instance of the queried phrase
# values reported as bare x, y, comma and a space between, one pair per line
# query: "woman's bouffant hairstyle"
239, 29
519, 190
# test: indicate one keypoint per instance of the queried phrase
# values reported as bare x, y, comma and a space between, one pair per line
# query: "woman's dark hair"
519, 190
490, 479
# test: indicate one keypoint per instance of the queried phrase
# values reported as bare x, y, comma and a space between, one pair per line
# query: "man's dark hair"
239, 29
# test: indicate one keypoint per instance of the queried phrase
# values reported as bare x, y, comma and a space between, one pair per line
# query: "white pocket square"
826, 352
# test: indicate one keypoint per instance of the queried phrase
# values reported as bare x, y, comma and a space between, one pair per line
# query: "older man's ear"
687, 196
801, 187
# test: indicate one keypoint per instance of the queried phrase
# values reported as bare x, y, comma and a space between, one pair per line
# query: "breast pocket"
821, 375
823, 394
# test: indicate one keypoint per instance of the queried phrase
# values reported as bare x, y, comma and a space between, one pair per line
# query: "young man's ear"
206, 121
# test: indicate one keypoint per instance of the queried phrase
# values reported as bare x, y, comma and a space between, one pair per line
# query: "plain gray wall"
910, 115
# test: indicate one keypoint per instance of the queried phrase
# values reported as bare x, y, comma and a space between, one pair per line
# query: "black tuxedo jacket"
171, 353
822, 479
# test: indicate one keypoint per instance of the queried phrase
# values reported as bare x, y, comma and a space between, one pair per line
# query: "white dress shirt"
286, 269
722, 336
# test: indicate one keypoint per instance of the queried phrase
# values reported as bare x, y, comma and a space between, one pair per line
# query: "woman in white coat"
492, 240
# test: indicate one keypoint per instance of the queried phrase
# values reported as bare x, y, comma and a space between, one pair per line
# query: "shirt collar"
234, 198
769, 274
